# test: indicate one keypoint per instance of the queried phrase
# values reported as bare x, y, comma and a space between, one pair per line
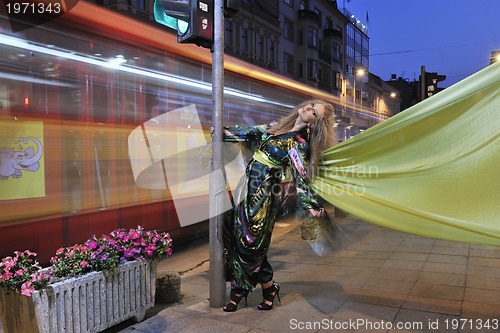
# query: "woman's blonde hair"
322, 132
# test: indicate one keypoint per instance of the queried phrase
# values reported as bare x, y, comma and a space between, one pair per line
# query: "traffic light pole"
217, 289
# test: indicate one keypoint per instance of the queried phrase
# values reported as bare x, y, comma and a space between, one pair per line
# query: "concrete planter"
89, 303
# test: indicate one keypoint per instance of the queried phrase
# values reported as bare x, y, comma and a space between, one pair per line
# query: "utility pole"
195, 20
422, 83
217, 292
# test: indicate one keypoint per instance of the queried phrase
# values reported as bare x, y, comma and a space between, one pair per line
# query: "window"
288, 2
140, 4
72, 198
357, 55
312, 37
272, 54
288, 28
336, 52
228, 33
289, 62
350, 51
100, 101
312, 69
71, 101
244, 40
320, 15
338, 80
329, 23
260, 46
102, 169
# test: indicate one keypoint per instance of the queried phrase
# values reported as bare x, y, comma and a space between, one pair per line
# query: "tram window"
100, 102
71, 101
126, 189
72, 172
34, 99
102, 146
152, 103
162, 101
127, 106
6, 96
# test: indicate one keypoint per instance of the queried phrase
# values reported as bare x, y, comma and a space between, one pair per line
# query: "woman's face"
311, 112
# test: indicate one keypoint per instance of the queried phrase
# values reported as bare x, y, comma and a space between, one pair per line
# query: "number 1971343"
34, 8
479, 324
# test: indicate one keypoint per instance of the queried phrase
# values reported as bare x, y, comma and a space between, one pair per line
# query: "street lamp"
359, 72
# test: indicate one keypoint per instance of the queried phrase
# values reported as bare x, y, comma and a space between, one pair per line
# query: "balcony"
270, 14
308, 15
333, 33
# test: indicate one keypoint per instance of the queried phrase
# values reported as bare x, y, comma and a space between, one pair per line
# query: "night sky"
450, 37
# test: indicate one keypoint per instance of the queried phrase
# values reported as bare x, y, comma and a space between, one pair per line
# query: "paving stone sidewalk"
377, 280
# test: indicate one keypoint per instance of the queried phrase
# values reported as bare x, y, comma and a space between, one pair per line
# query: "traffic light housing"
431, 80
193, 19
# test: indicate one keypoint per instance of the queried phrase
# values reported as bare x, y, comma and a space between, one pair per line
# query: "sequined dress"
248, 227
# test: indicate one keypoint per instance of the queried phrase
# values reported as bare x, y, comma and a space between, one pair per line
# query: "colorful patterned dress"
248, 227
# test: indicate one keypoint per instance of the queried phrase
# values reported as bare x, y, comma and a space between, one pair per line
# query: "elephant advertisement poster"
22, 169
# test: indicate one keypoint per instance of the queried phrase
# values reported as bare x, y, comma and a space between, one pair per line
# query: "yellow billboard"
22, 167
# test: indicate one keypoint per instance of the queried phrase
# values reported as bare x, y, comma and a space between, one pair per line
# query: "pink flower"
135, 234
92, 244
150, 249
128, 253
23, 272
27, 289
11, 262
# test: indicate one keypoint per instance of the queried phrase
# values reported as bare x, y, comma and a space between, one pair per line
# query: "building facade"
313, 42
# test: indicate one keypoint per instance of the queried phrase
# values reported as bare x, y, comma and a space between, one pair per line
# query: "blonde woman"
295, 142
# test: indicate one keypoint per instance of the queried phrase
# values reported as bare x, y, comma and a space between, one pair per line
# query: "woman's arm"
244, 134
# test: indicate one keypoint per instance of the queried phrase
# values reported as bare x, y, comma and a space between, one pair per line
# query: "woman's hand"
317, 212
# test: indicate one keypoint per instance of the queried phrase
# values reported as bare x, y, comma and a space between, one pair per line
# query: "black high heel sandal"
235, 297
269, 294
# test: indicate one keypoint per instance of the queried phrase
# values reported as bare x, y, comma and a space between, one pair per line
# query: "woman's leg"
270, 289
237, 294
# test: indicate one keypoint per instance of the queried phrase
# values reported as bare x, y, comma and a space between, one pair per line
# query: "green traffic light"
182, 27
169, 21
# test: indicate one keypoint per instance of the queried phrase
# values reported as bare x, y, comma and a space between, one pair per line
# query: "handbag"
321, 234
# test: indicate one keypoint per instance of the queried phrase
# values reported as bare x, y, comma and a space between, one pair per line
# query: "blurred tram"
72, 91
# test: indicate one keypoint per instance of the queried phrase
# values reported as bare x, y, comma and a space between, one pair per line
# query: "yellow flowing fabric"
432, 170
